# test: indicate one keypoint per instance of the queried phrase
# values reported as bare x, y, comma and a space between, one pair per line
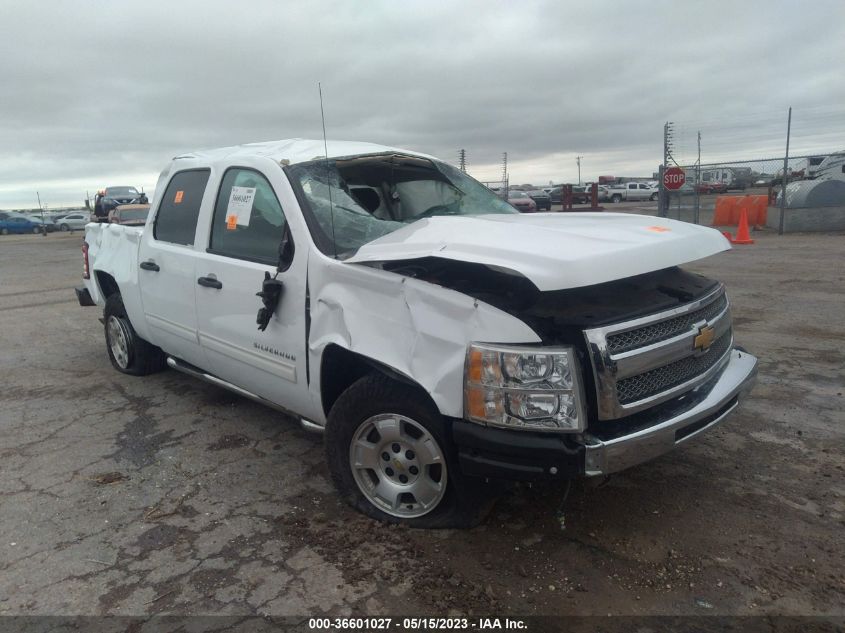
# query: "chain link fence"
695, 201
810, 175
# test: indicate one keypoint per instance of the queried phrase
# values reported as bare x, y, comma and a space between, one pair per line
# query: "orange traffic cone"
742, 234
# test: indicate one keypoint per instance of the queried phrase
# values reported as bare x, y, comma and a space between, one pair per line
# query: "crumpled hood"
555, 251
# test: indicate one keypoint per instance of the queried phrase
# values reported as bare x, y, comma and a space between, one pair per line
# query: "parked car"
47, 223
711, 187
73, 221
441, 341
522, 201
541, 199
13, 223
131, 214
632, 191
580, 195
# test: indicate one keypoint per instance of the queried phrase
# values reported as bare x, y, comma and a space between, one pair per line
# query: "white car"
438, 338
72, 222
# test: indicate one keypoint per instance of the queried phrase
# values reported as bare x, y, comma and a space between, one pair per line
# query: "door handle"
209, 282
150, 265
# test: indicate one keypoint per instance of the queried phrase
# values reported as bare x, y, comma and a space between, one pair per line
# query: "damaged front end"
494, 314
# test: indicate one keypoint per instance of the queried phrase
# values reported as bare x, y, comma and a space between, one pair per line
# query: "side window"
248, 219
176, 221
632, 186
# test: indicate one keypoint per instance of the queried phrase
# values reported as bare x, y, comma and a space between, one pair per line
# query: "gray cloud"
102, 93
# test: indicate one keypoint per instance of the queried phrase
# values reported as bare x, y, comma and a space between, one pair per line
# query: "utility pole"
462, 160
785, 171
663, 195
578, 160
505, 175
41, 210
697, 180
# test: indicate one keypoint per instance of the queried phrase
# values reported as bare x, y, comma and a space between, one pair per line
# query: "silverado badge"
704, 338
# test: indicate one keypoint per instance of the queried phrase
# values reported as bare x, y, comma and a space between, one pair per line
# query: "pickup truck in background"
441, 341
631, 191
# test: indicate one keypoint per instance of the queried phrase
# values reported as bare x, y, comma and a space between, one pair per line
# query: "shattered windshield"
353, 201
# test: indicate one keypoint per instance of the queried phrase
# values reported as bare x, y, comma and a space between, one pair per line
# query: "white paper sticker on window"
240, 205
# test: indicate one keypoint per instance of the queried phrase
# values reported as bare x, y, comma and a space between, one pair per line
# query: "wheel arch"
106, 283
341, 367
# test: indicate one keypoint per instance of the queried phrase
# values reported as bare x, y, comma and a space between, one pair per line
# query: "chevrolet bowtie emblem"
704, 338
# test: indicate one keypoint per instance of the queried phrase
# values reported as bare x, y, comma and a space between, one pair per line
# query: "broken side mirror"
271, 288
271, 294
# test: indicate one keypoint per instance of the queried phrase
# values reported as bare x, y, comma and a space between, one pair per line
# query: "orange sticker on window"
231, 223
658, 229
178, 198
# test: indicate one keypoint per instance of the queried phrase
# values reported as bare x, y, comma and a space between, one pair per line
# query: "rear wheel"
616, 198
4, 231
36, 230
390, 457
64, 227
128, 352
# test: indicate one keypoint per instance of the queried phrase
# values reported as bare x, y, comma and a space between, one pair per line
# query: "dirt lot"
130, 495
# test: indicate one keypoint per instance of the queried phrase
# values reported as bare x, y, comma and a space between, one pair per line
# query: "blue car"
17, 224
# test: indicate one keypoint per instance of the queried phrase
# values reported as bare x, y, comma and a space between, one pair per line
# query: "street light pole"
578, 160
41, 210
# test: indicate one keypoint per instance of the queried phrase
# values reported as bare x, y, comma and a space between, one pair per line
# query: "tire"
653, 197
36, 231
376, 416
616, 198
128, 352
64, 228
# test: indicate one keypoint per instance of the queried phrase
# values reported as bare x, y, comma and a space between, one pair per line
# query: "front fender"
416, 328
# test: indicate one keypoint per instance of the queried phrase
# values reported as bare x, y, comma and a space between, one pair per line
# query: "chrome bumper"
619, 453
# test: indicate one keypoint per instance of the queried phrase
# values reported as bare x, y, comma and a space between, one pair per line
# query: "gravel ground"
162, 494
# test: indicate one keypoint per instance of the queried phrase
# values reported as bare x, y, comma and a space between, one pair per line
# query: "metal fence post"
662, 202
697, 211
785, 170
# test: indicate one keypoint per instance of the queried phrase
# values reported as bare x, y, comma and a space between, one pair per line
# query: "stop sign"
674, 178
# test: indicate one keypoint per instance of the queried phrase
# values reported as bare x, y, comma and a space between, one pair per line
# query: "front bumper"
711, 404
608, 447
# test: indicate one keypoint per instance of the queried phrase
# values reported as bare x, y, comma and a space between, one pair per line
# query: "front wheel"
64, 227
128, 352
36, 231
390, 457
4, 231
653, 197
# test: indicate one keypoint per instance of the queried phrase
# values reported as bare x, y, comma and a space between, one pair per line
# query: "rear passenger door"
167, 259
246, 228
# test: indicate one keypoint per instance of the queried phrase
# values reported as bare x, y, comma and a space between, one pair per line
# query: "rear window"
176, 220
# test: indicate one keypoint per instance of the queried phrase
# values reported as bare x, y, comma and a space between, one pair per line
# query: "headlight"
521, 387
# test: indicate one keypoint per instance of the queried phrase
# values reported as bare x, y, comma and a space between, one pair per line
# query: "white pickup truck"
441, 341
632, 191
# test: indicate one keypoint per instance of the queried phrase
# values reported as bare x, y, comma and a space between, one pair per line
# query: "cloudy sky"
100, 93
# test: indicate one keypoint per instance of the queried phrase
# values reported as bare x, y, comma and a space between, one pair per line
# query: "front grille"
654, 381
656, 332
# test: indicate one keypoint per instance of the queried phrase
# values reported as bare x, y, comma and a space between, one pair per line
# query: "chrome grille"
640, 337
657, 380
643, 362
